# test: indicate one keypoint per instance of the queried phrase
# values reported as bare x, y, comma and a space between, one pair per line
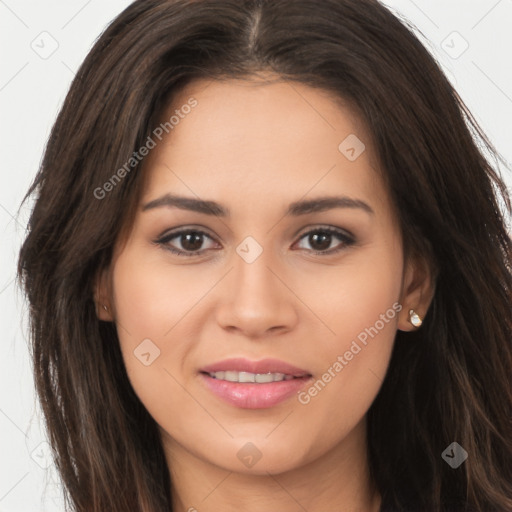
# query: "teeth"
259, 378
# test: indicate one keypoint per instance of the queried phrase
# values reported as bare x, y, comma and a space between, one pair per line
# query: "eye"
321, 240
190, 242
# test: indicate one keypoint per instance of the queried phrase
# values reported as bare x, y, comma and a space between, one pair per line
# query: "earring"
414, 318
105, 307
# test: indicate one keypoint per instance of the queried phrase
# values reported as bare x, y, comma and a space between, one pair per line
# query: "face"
260, 289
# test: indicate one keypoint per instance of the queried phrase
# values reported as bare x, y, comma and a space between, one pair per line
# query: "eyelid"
184, 229
328, 228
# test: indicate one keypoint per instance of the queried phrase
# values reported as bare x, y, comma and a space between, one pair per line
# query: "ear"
418, 288
102, 296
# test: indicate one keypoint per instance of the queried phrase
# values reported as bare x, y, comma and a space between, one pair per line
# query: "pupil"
191, 241
324, 239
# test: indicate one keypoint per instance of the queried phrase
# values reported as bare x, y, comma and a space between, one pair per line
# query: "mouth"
254, 384
248, 377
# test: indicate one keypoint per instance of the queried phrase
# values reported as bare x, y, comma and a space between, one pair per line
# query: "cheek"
155, 306
342, 392
361, 307
351, 297
149, 302
359, 304
152, 297
153, 303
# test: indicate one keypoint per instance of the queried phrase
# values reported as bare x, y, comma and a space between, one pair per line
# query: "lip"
262, 366
250, 395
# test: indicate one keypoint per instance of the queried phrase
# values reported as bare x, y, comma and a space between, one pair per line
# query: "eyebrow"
295, 209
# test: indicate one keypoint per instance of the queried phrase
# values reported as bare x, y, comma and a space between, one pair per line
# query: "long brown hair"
449, 381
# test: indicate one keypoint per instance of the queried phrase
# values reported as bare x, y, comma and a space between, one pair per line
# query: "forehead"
253, 140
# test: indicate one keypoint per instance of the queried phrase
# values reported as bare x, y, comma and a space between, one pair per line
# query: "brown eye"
320, 240
189, 242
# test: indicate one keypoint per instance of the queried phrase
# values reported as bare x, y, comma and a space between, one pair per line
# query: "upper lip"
262, 366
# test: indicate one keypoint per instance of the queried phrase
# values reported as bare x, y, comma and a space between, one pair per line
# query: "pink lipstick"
254, 384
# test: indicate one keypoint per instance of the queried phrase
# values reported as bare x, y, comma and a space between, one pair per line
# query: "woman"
268, 269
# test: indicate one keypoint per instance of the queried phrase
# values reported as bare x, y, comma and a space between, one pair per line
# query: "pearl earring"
105, 307
414, 318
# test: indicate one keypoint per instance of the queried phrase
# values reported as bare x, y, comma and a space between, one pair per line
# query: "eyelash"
347, 241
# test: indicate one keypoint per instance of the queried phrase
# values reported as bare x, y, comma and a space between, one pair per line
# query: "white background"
33, 85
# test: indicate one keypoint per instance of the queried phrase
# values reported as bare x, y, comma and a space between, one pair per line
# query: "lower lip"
254, 396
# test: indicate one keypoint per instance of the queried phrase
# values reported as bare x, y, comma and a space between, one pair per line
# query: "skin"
256, 147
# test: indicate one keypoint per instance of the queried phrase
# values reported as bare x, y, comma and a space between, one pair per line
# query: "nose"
256, 300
